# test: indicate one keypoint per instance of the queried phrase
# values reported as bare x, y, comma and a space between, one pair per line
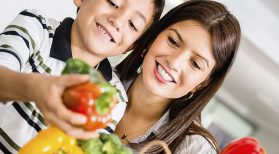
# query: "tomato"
88, 99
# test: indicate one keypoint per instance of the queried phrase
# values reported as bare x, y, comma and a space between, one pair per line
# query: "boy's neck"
89, 58
79, 51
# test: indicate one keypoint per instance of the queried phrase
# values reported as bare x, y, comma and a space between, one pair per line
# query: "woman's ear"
78, 2
202, 85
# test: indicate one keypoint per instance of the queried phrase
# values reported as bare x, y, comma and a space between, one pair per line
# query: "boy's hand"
47, 92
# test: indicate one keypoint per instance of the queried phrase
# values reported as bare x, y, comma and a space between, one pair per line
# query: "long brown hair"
225, 33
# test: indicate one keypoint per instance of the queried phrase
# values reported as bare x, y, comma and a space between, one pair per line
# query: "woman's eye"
173, 42
195, 64
111, 3
131, 24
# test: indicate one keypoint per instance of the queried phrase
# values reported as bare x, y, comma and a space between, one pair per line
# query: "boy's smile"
107, 35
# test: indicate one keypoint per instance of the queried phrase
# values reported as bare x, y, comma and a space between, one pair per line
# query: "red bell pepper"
94, 99
246, 145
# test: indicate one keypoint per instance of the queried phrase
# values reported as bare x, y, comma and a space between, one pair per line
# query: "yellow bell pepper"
51, 141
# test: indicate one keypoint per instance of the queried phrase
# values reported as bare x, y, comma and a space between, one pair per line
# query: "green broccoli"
105, 144
91, 146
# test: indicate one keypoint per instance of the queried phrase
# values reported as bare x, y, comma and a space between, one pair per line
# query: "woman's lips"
162, 75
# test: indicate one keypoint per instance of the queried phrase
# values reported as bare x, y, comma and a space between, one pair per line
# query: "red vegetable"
246, 145
88, 99
94, 99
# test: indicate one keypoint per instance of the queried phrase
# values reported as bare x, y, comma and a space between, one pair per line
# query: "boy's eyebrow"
141, 16
180, 38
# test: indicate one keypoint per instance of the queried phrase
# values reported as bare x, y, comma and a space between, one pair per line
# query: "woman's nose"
178, 60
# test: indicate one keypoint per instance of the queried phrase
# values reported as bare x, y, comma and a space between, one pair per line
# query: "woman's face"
179, 59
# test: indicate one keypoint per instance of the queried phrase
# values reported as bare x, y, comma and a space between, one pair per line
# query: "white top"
192, 144
195, 144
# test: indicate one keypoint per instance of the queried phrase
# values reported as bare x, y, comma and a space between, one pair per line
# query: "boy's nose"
113, 23
118, 19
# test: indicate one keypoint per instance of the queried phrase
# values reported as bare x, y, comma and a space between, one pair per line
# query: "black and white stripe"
33, 43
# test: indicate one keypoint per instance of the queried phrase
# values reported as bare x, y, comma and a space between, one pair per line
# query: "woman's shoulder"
196, 144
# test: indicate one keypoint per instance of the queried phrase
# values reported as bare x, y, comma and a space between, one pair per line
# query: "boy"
33, 51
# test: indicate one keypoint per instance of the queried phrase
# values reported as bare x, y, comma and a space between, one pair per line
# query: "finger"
70, 80
73, 130
53, 120
68, 126
84, 135
69, 116
64, 126
89, 135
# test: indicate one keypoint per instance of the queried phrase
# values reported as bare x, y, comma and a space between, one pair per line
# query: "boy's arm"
46, 92
17, 44
14, 85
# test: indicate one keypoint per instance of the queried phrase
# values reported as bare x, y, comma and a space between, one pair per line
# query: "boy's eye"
173, 42
131, 24
195, 64
112, 4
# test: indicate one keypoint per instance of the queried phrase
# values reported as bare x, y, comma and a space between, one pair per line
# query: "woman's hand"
47, 92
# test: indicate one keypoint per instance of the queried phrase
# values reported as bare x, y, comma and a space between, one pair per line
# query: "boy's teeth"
164, 74
105, 33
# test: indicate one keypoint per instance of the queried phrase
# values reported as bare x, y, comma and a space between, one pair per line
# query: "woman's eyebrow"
180, 38
206, 60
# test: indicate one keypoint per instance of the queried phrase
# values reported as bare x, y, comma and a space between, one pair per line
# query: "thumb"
73, 79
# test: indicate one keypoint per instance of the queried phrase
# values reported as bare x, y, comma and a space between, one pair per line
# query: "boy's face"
110, 27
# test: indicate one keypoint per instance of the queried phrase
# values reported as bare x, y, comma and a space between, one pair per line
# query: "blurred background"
248, 102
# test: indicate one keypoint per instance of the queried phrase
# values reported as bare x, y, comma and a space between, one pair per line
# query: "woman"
184, 59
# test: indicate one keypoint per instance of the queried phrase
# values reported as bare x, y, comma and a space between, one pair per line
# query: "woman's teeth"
108, 37
164, 74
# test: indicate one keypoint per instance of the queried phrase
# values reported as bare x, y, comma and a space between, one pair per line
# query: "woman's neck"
143, 104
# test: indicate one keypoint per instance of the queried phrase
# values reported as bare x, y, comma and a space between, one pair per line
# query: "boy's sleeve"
119, 109
21, 38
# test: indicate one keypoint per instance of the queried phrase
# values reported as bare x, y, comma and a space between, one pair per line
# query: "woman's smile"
162, 74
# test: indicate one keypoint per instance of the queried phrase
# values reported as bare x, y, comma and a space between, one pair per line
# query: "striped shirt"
34, 43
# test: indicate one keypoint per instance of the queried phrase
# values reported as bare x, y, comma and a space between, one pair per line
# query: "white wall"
58, 9
268, 137
268, 140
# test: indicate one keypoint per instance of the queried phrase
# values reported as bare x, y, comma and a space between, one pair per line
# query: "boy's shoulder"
37, 16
